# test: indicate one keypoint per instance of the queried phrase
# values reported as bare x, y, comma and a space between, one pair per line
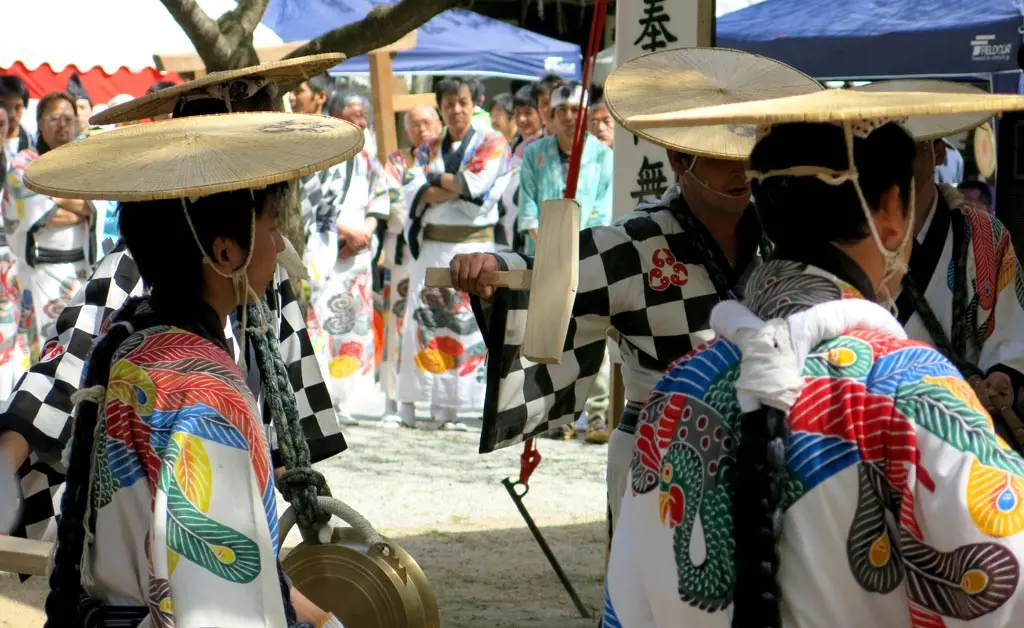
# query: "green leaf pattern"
104, 483
938, 411
204, 541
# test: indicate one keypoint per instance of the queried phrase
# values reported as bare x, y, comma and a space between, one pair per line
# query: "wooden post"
384, 104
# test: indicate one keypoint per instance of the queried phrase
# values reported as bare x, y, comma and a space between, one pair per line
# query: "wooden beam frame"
191, 63
383, 94
405, 102
385, 101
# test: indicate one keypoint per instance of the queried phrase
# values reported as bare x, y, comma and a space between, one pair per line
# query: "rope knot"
300, 487
95, 394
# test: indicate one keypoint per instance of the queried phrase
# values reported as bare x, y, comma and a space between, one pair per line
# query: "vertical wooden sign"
642, 172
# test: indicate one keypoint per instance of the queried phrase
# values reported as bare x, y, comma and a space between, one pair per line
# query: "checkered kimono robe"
442, 351
40, 408
902, 507
341, 310
993, 321
643, 276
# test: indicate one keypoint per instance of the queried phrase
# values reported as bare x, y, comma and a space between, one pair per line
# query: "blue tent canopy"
454, 42
880, 38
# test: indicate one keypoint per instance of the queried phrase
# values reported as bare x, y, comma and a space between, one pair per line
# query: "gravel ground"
444, 503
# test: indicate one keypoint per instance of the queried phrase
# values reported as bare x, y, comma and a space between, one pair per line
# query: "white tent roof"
105, 33
723, 7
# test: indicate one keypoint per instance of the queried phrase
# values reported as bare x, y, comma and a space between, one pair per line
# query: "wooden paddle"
18, 555
552, 282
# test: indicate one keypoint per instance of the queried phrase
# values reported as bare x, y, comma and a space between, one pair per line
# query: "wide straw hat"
194, 156
833, 105
925, 128
669, 80
285, 72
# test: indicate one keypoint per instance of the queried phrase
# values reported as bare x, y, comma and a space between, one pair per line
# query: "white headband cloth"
563, 96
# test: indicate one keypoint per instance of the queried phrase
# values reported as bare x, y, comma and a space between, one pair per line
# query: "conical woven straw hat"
194, 156
282, 72
833, 105
934, 127
666, 81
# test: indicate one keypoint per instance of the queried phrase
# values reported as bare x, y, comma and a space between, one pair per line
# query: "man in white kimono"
449, 214
965, 292
340, 209
422, 123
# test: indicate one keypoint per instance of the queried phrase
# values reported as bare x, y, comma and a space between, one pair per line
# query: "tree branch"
383, 25
202, 30
249, 13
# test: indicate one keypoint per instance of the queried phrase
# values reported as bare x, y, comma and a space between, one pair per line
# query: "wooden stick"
512, 279
26, 556
555, 280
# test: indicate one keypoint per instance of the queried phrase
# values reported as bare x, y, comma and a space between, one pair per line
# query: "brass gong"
366, 580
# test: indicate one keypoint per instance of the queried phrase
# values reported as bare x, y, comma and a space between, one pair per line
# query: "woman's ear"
227, 255
892, 218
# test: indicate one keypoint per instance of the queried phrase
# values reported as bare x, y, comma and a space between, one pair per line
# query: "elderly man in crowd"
447, 188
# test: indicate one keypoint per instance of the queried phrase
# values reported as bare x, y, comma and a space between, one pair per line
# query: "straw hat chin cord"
239, 278
895, 262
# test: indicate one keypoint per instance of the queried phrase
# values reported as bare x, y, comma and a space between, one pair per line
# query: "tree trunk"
226, 44
383, 25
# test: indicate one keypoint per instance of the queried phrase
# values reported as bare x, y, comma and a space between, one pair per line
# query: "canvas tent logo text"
560, 65
985, 48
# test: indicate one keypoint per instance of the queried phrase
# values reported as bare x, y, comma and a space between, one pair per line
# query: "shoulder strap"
961, 327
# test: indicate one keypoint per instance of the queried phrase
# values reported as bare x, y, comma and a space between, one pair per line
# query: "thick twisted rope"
300, 484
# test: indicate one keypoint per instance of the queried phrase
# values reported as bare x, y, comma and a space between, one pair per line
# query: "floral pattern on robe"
901, 504
183, 488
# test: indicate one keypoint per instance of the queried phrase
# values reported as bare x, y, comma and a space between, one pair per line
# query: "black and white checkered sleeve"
40, 405
316, 408
640, 276
526, 399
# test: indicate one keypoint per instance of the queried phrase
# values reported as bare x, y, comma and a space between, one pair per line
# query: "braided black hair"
757, 518
265, 99
66, 579
796, 211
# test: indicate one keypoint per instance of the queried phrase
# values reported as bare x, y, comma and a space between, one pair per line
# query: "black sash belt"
41, 255
95, 614
630, 417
